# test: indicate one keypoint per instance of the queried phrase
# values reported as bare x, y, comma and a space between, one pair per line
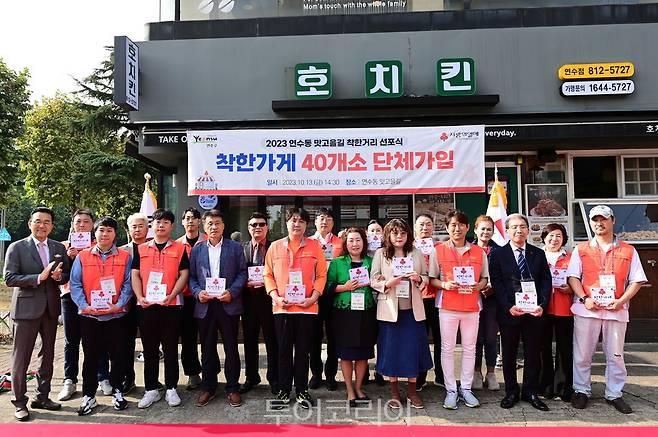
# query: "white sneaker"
87, 405
105, 387
468, 398
492, 383
172, 397
118, 401
68, 390
450, 403
150, 397
477, 382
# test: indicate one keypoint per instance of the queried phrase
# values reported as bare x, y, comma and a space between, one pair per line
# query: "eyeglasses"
258, 225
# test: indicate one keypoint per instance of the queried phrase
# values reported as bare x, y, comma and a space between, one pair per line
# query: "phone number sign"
596, 71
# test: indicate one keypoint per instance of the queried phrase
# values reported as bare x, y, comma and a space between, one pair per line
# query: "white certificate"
295, 293
374, 242
256, 273
526, 301
215, 287
402, 265
295, 277
108, 285
528, 287
559, 277
155, 277
328, 250
425, 245
402, 289
602, 295
608, 281
80, 240
100, 300
361, 275
358, 301
156, 292
464, 275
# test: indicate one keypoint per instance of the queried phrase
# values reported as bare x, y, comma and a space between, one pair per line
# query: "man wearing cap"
605, 274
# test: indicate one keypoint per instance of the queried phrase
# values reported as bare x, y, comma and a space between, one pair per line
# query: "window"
595, 177
640, 176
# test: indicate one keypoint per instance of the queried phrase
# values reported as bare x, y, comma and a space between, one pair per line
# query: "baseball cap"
601, 210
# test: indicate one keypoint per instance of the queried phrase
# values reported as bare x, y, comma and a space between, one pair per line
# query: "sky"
59, 39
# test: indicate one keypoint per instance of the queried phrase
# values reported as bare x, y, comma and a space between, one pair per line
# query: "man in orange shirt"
295, 275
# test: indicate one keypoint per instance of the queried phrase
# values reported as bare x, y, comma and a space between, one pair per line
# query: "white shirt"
214, 255
45, 246
635, 274
516, 252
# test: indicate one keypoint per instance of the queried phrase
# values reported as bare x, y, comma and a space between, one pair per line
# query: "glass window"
354, 211
635, 222
436, 206
595, 177
237, 216
391, 207
276, 210
312, 204
640, 176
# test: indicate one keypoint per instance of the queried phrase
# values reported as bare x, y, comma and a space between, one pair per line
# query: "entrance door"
644, 306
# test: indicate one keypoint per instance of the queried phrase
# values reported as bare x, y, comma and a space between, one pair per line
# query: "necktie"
257, 259
523, 265
41, 247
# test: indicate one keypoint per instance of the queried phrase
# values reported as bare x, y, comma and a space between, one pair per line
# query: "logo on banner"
444, 136
206, 182
208, 140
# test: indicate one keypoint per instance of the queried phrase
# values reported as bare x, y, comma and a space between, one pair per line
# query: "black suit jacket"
506, 279
249, 252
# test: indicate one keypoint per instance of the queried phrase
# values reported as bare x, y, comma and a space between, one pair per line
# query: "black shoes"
620, 405
509, 401
247, 386
579, 401
46, 404
379, 380
332, 385
536, 402
304, 400
315, 382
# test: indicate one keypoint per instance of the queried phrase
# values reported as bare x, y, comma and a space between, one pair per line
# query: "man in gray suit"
35, 266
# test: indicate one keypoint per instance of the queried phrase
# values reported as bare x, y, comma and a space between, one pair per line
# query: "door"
643, 325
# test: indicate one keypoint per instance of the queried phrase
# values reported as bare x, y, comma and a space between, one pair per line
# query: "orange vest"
429, 292
93, 269
166, 261
617, 261
560, 303
449, 258
188, 249
336, 243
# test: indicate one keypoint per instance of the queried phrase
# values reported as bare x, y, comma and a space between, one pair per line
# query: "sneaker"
128, 386
87, 405
450, 403
281, 400
420, 387
468, 398
492, 382
118, 401
150, 397
305, 400
68, 390
477, 382
172, 398
105, 387
193, 382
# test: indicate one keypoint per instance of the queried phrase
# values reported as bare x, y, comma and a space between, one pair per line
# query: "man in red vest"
605, 274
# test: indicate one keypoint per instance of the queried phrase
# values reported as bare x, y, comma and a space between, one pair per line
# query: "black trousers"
189, 335
323, 329
160, 325
258, 315
530, 331
99, 337
130, 329
432, 324
218, 321
556, 377
294, 336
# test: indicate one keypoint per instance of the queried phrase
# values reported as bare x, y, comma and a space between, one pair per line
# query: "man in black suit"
35, 266
517, 267
258, 309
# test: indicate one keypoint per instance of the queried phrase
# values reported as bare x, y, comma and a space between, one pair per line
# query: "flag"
497, 210
149, 203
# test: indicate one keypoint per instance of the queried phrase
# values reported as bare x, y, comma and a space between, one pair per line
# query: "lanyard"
103, 264
603, 259
160, 263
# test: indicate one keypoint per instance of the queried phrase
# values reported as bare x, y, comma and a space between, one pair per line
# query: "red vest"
93, 269
448, 258
188, 249
560, 303
166, 261
617, 261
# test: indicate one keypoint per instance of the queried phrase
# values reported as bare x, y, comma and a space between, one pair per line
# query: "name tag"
608, 281
328, 250
215, 287
528, 287
464, 275
80, 240
402, 289
156, 292
358, 301
402, 265
559, 277
100, 300
155, 277
108, 285
295, 293
425, 245
361, 275
295, 277
526, 301
602, 295
374, 242
255, 273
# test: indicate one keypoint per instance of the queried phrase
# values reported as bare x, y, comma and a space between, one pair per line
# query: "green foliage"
14, 103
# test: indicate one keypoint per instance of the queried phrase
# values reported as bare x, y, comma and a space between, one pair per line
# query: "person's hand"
72, 252
487, 291
351, 285
255, 284
615, 305
393, 282
57, 273
516, 311
203, 296
413, 277
167, 300
537, 312
450, 285
565, 289
226, 297
280, 301
88, 311
307, 302
46, 272
143, 302
591, 304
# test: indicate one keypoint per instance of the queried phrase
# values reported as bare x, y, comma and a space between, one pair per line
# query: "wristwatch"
582, 299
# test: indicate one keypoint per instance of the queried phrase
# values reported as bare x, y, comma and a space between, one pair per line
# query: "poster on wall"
331, 162
546, 203
436, 206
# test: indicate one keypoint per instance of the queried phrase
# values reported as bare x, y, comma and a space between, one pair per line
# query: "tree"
14, 103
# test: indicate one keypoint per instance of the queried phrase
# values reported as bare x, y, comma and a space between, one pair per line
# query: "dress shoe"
379, 380
204, 398
536, 402
509, 401
620, 405
193, 382
45, 404
315, 382
246, 387
234, 399
579, 401
332, 385
22, 414
352, 403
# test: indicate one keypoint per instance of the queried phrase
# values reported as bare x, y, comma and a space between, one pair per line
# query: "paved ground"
641, 392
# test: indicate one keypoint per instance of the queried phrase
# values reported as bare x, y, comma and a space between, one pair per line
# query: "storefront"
557, 153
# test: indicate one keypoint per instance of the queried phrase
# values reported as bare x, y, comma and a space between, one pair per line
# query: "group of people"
383, 287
